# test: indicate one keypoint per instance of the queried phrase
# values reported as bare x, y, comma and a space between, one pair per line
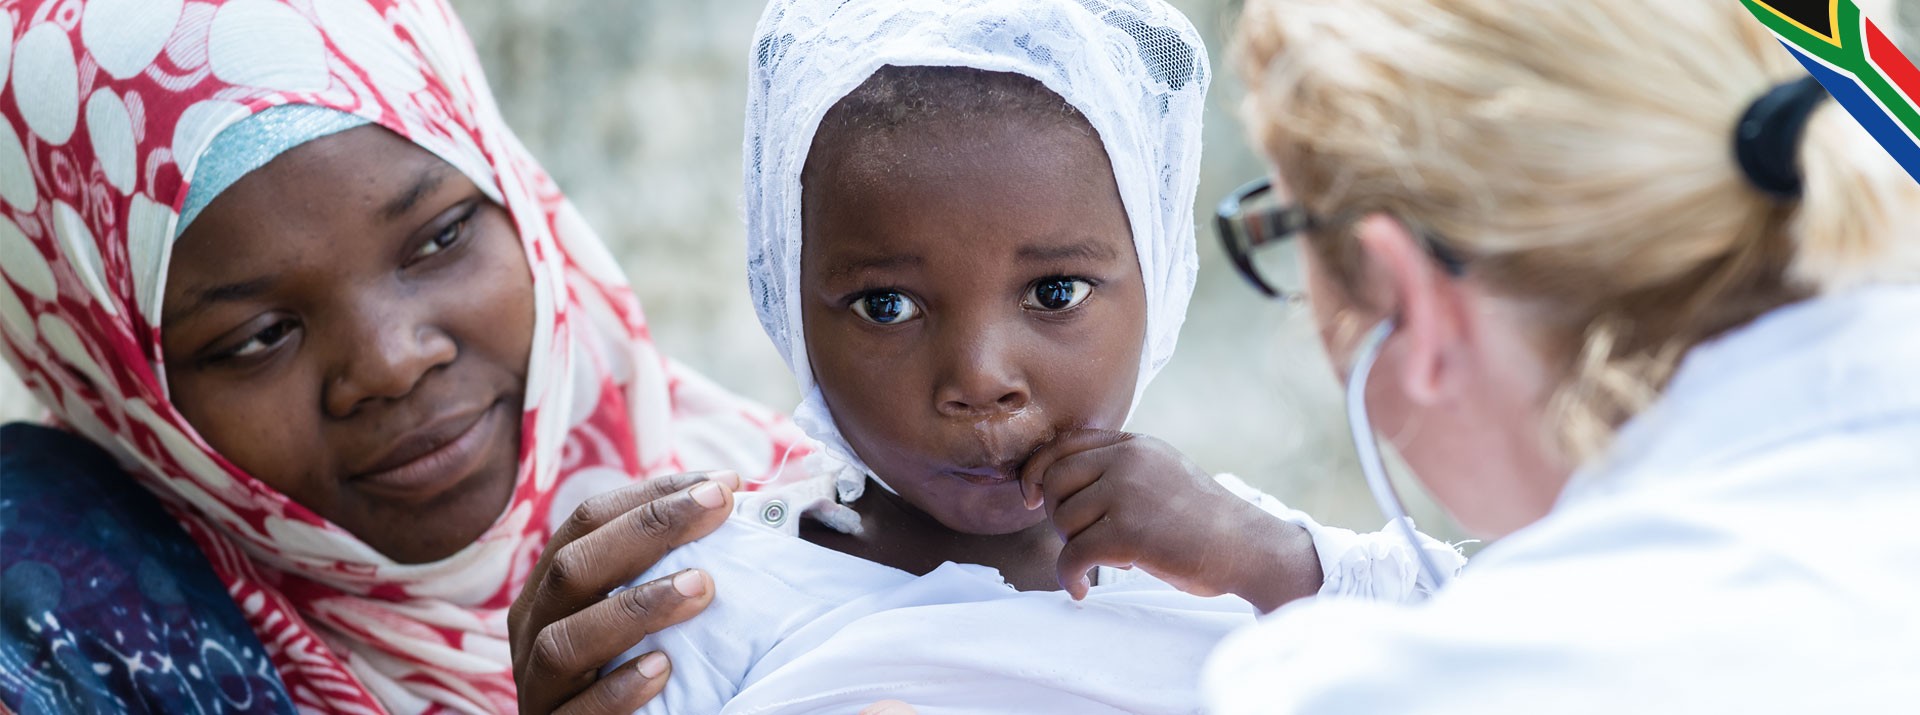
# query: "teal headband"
252, 142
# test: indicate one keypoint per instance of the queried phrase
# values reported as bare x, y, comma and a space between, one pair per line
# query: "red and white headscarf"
107, 106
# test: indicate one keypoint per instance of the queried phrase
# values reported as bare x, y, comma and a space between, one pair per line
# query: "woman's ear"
1411, 287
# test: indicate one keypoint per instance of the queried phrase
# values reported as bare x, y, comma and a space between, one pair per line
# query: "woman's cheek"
260, 427
506, 298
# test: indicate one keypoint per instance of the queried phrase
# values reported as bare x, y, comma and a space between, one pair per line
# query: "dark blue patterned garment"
106, 605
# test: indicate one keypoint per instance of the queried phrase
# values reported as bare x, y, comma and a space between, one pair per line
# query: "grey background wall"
636, 107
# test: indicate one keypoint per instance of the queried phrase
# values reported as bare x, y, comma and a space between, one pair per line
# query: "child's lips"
986, 479
993, 474
999, 456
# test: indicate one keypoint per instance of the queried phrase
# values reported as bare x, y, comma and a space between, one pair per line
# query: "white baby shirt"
799, 628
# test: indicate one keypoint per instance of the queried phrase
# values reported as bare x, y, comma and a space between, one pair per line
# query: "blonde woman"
1639, 308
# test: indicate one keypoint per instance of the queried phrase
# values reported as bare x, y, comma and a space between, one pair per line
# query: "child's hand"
1124, 500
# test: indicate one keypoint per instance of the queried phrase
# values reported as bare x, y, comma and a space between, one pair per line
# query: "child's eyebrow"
1087, 249
873, 263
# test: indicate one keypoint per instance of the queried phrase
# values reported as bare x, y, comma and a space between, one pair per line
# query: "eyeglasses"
1257, 231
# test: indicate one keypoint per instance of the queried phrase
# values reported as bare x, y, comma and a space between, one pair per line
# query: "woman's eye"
1054, 294
443, 240
885, 308
262, 341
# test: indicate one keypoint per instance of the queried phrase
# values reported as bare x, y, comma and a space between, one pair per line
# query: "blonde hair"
1579, 154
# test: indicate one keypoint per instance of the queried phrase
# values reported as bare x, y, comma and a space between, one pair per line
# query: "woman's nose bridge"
387, 349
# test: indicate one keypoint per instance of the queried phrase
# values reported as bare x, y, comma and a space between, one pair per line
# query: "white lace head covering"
1136, 69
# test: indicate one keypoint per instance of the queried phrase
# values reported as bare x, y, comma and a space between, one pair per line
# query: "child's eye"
443, 240
1056, 294
260, 342
885, 308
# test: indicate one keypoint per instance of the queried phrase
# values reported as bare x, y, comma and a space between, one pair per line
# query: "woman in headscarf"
285, 264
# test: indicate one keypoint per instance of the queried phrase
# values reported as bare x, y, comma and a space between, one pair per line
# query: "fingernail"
652, 665
690, 583
725, 478
710, 495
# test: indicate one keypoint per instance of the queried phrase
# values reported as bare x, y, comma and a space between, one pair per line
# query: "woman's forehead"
363, 180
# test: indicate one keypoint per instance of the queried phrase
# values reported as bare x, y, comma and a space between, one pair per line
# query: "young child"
971, 237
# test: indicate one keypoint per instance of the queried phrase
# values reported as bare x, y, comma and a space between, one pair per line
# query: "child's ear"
1408, 284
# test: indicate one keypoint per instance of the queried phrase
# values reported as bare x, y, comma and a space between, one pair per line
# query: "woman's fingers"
588, 518
583, 571
577, 646
563, 627
597, 511
622, 690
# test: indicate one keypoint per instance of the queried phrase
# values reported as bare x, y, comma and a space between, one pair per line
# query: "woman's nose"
982, 376
385, 360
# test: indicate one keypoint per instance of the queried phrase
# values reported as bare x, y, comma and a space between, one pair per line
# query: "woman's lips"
433, 459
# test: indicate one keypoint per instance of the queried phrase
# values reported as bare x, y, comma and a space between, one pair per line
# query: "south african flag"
1856, 62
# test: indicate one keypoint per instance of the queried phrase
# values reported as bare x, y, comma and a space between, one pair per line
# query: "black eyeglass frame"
1284, 224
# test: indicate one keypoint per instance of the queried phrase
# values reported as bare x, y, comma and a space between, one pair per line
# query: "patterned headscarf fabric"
1136, 69
252, 143
108, 105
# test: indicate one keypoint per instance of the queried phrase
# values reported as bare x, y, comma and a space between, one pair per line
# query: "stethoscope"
1367, 443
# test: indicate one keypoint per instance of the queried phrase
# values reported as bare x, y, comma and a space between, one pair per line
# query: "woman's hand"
1123, 500
564, 627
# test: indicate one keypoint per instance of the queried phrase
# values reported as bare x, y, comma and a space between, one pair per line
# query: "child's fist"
1124, 500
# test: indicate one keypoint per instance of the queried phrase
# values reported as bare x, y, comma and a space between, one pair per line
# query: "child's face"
350, 324
969, 289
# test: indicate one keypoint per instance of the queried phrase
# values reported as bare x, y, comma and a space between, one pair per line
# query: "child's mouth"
995, 464
996, 473
987, 476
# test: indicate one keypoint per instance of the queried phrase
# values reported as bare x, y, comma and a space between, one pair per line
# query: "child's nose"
384, 360
982, 378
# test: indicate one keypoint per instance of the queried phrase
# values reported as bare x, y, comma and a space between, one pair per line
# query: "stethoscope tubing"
1367, 443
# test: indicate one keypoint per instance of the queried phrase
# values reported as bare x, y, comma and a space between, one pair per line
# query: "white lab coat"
1751, 545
